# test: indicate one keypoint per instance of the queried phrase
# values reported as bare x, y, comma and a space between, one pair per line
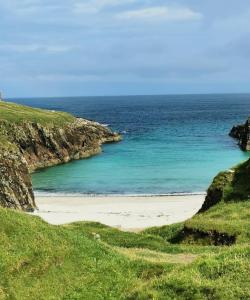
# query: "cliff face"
15, 183
44, 146
242, 134
35, 146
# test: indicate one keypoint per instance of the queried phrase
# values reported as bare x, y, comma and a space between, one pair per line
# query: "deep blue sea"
172, 144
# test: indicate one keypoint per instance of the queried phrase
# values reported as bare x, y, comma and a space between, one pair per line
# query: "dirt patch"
157, 257
211, 237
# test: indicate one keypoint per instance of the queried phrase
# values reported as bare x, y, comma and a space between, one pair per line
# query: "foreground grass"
93, 261
222, 276
40, 261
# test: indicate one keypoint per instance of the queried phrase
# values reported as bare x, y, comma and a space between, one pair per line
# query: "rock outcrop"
35, 146
242, 134
15, 183
230, 185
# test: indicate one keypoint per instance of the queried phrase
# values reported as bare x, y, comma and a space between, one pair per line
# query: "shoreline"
129, 213
43, 194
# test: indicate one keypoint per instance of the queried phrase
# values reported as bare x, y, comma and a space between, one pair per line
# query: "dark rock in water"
242, 134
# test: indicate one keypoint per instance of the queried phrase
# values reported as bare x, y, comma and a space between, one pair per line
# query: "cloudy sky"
120, 47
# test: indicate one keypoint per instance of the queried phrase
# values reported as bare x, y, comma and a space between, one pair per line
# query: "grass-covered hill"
16, 113
92, 261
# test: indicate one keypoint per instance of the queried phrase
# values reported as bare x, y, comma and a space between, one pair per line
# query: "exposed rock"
48, 146
15, 184
36, 146
242, 134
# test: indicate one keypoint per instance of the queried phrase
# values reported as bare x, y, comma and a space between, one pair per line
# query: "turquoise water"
172, 144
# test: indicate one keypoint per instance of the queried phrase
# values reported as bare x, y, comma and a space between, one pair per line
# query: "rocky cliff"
27, 145
15, 183
44, 146
242, 134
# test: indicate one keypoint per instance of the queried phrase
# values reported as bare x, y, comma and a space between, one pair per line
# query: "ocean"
172, 144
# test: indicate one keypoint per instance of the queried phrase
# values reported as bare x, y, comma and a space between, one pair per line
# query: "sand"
131, 213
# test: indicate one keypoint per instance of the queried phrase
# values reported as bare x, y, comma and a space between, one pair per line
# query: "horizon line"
129, 95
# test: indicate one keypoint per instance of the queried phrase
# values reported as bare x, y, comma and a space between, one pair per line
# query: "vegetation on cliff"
18, 114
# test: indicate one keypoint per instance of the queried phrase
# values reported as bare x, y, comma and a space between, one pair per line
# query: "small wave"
65, 194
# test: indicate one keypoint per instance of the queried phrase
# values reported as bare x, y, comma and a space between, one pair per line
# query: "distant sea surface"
172, 144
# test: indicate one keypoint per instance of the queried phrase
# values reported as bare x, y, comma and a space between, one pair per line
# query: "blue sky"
120, 47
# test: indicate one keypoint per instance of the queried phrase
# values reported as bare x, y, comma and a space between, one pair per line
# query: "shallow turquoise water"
172, 144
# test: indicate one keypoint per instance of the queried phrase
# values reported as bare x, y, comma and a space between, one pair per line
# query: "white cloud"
65, 77
36, 48
85, 8
28, 7
95, 6
161, 13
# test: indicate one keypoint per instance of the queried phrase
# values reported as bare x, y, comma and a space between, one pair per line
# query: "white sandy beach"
131, 213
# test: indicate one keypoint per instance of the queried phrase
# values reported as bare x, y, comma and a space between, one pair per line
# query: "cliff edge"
31, 139
227, 186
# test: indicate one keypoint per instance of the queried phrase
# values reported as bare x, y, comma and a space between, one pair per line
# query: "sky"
124, 47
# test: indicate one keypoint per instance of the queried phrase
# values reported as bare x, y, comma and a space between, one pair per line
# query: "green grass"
42, 261
239, 188
156, 256
15, 113
230, 218
167, 232
229, 214
144, 240
222, 276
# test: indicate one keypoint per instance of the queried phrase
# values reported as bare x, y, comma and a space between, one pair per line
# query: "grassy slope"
232, 214
41, 261
16, 113
230, 218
